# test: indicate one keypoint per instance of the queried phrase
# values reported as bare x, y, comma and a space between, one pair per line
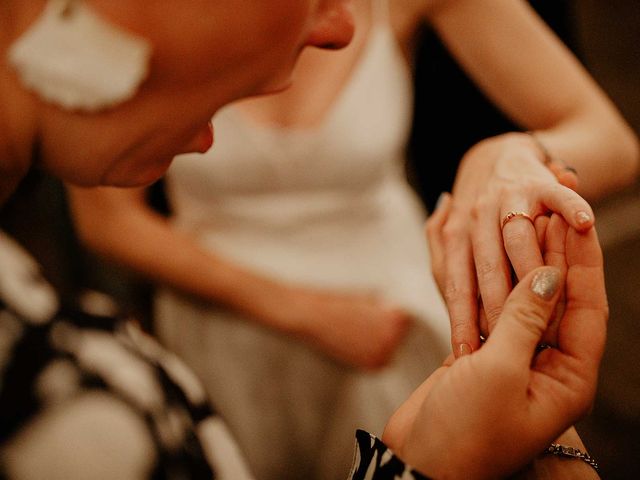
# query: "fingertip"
584, 220
443, 201
546, 282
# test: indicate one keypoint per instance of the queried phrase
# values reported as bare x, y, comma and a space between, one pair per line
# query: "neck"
14, 162
16, 140
17, 118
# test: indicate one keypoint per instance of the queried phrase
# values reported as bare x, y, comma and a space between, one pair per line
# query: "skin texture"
193, 73
205, 56
540, 85
517, 388
134, 143
572, 117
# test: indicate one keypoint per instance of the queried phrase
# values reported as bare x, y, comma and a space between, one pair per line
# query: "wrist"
492, 147
552, 463
545, 156
532, 142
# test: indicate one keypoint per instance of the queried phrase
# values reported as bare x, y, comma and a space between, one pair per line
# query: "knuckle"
476, 211
492, 312
482, 205
452, 291
432, 227
452, 231
458, 330
531, 316
486, 269
512, 190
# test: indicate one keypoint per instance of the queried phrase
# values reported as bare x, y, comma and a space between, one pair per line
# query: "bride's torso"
318, 196
326, 73
341, 127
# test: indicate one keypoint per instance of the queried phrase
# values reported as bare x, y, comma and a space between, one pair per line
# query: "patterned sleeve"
373, 460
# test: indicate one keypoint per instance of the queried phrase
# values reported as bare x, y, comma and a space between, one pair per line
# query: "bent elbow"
629, 152
634, 150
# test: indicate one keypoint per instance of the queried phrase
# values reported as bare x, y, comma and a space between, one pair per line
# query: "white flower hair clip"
75, 60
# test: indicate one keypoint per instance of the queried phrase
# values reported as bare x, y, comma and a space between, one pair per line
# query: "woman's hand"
497, 176
358, 330
487, 414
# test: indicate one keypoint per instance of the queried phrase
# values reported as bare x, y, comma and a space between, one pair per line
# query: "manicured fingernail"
464, 349
583, 218
571, 169
441, 199
545, 283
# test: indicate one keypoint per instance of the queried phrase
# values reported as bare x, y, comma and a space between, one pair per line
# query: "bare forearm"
157, 250
535, 79
605, 157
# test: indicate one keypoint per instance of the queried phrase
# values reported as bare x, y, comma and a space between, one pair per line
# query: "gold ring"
511, 215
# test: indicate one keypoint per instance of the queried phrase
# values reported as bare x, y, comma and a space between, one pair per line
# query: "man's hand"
487, 414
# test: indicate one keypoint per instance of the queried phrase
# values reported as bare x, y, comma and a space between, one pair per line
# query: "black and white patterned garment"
374, 461
90, 396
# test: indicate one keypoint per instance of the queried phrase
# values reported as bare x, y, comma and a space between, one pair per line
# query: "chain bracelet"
571, 452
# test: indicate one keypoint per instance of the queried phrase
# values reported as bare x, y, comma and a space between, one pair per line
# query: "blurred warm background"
609, 35
606, 36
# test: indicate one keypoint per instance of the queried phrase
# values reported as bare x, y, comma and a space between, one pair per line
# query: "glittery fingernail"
583, 218
545, 283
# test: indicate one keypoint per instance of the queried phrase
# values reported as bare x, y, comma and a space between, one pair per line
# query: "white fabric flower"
74, 59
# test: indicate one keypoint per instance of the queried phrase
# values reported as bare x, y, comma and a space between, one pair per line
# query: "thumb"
526, 315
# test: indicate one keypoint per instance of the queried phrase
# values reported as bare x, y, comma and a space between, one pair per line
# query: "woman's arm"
549, 467
489, 413
117, 223
526, 71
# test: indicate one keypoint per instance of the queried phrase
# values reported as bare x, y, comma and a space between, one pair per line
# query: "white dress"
327, 207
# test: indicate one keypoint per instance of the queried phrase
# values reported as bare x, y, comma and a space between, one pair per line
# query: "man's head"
205, 54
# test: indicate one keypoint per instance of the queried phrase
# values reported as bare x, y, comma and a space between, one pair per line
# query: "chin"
275, 86
138, 178
273, 90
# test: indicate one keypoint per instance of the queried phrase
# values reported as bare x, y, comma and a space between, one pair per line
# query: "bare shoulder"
432, 8
407, 15
411, 8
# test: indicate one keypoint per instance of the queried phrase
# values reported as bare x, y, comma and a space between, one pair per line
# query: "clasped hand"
473, 258
487, 414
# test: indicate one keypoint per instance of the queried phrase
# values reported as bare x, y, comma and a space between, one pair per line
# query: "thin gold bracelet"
547, 157
571, 452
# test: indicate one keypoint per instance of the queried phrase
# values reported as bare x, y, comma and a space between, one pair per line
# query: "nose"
335, 26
